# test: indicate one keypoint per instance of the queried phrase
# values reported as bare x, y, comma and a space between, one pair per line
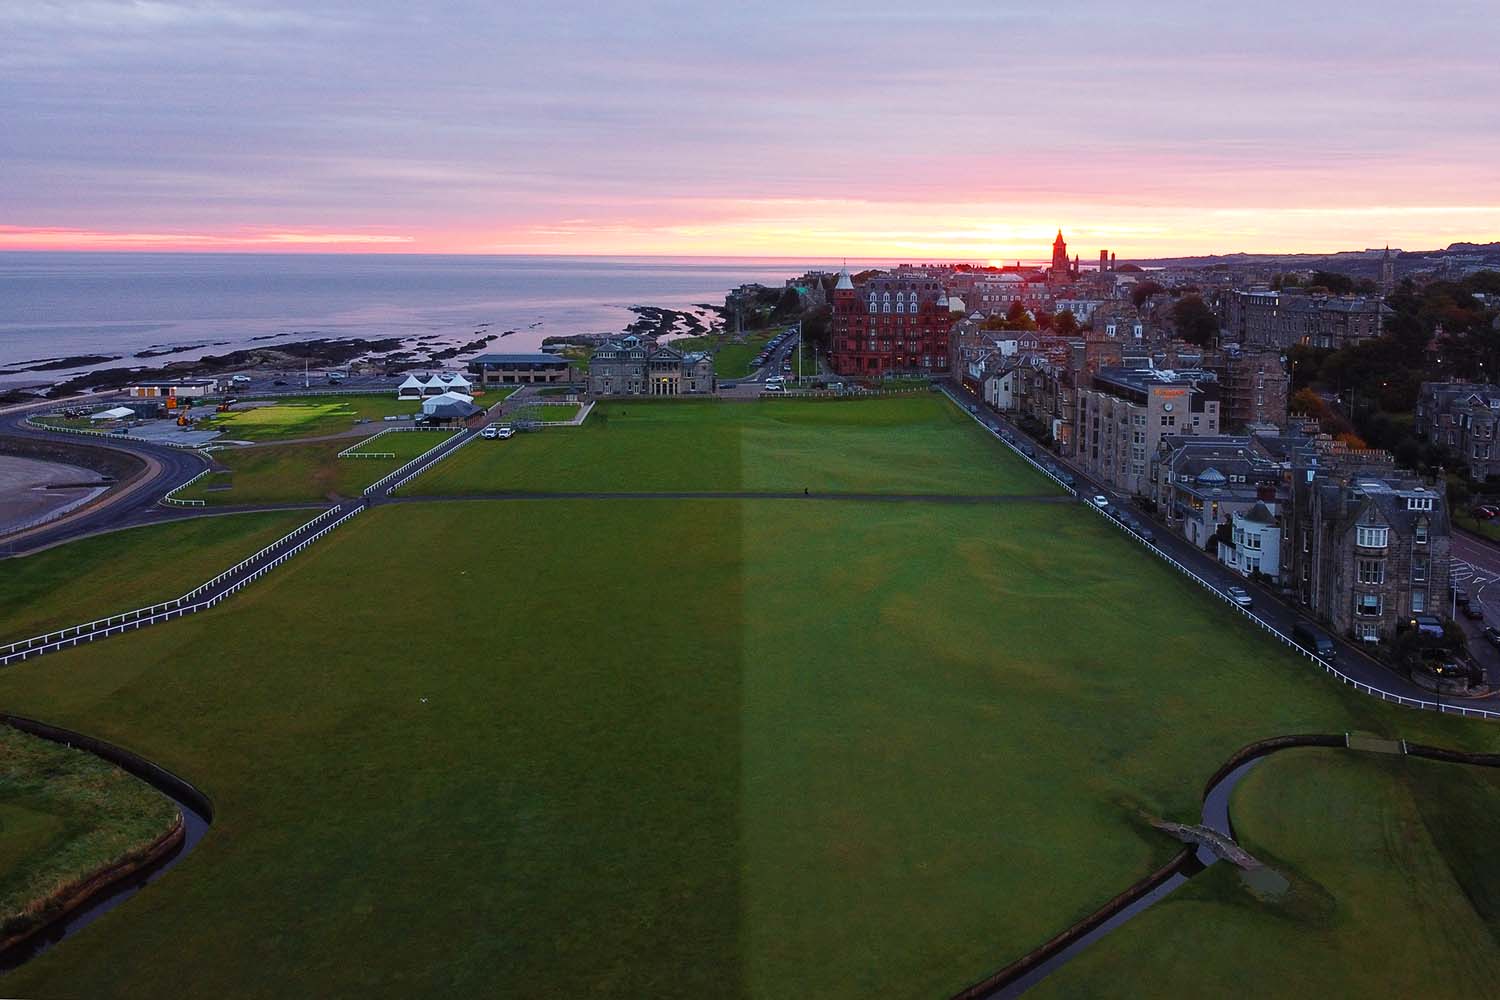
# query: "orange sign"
1171, 393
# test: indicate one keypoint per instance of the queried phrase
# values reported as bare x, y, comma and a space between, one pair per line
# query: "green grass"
299, 417
1394, 891
732, 359
918, 444
64, 814
124, 570
1487, 529
557, 413
766, 748
290, 473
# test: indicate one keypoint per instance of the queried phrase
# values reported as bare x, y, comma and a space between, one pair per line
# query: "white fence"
1219, 593
172, 500
353, 450
416, 466
114, 624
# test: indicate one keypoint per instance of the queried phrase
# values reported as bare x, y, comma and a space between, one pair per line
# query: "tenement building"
895, 322
1462, 417
1124, 413
1254, 385
1277, 320
1369, 553
631, 367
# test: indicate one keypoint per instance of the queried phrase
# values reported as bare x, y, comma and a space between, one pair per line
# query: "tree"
1338, 284
1196, 322
1144, 290
1065, 324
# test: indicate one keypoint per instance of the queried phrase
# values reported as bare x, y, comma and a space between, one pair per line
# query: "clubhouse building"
519, 369
630, 367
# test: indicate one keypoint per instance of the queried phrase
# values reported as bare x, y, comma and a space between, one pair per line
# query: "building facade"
1278, 319
631, 367
1124, 413
519, 369
896, 322
1462, 417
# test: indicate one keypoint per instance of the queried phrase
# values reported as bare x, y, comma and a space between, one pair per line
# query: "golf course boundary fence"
411, 470
353, 450
1446, 708
229, 582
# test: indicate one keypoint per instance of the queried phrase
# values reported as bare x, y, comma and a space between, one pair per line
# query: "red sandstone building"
897, 322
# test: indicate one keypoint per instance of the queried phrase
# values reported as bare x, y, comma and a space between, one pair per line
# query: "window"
1419, 503
1371, 570
1367, 605
1419, 571
1419, 534
1366, 631
1252, 541
1371, 538
1418, 601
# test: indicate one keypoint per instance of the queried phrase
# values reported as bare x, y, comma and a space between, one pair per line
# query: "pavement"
131, 503
1268, 608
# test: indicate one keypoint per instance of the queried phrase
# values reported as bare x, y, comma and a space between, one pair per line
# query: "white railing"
1267, 626
1072, 491
90, 432
413, 474
353, 450
111, 624
172, 500
408, 471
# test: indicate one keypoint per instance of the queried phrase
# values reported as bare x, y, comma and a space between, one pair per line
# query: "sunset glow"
778, 131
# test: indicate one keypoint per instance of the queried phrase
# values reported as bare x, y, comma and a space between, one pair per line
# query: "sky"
969, 130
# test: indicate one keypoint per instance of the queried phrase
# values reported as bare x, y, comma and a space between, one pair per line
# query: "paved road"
1281, 617
134, 503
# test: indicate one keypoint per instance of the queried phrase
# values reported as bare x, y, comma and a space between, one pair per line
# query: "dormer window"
1419, 503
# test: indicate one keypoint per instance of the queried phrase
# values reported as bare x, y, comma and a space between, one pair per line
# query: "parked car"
1315, 641
775, 387
1240, 596
1492, 634
1461, 598
1428, 625
1065, 477
1482, 513
1148, 535
280, 381
240, 379
1472, 613
490, 433
1101, 501
505, 433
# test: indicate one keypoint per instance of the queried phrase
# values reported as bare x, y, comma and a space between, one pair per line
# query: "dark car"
280, 381
1428, 625
1492, 634
1472, 613
1461, 598
1314, 641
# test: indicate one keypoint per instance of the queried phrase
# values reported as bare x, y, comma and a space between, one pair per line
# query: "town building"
1278, 319
1123, 413
1254, 544
1200, 483
892, 322
519, 369
1255, 387
1462, 417
181, 388
630, 366
1369, 552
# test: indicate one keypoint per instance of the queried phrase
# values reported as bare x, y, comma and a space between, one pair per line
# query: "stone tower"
1059, 256
1387, 272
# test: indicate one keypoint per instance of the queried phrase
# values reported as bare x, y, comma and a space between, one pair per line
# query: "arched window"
887, 307
900, 306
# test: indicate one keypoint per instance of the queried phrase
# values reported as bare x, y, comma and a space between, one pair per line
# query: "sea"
147, 309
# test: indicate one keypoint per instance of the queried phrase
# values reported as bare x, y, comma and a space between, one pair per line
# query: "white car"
1101, 501
490, 433
241, 380
504, 433
775, 387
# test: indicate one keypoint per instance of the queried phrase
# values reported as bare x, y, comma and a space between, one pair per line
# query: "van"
1314, 641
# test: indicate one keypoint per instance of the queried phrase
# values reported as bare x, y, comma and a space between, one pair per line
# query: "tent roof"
114, 413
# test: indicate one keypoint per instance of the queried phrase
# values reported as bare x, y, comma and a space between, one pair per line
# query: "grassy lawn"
896, 445
1394, 891
289, 473
64, 814
731, 359
557, 413
124, 570
1487, 529
767, 748
294, 417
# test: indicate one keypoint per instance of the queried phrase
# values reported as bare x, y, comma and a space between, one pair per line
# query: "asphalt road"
1267, 608
133, 504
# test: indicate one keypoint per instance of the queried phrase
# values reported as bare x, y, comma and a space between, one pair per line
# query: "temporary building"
114, 413
412, 388
449, 406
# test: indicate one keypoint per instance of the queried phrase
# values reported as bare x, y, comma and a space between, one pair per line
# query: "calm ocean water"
57, 305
